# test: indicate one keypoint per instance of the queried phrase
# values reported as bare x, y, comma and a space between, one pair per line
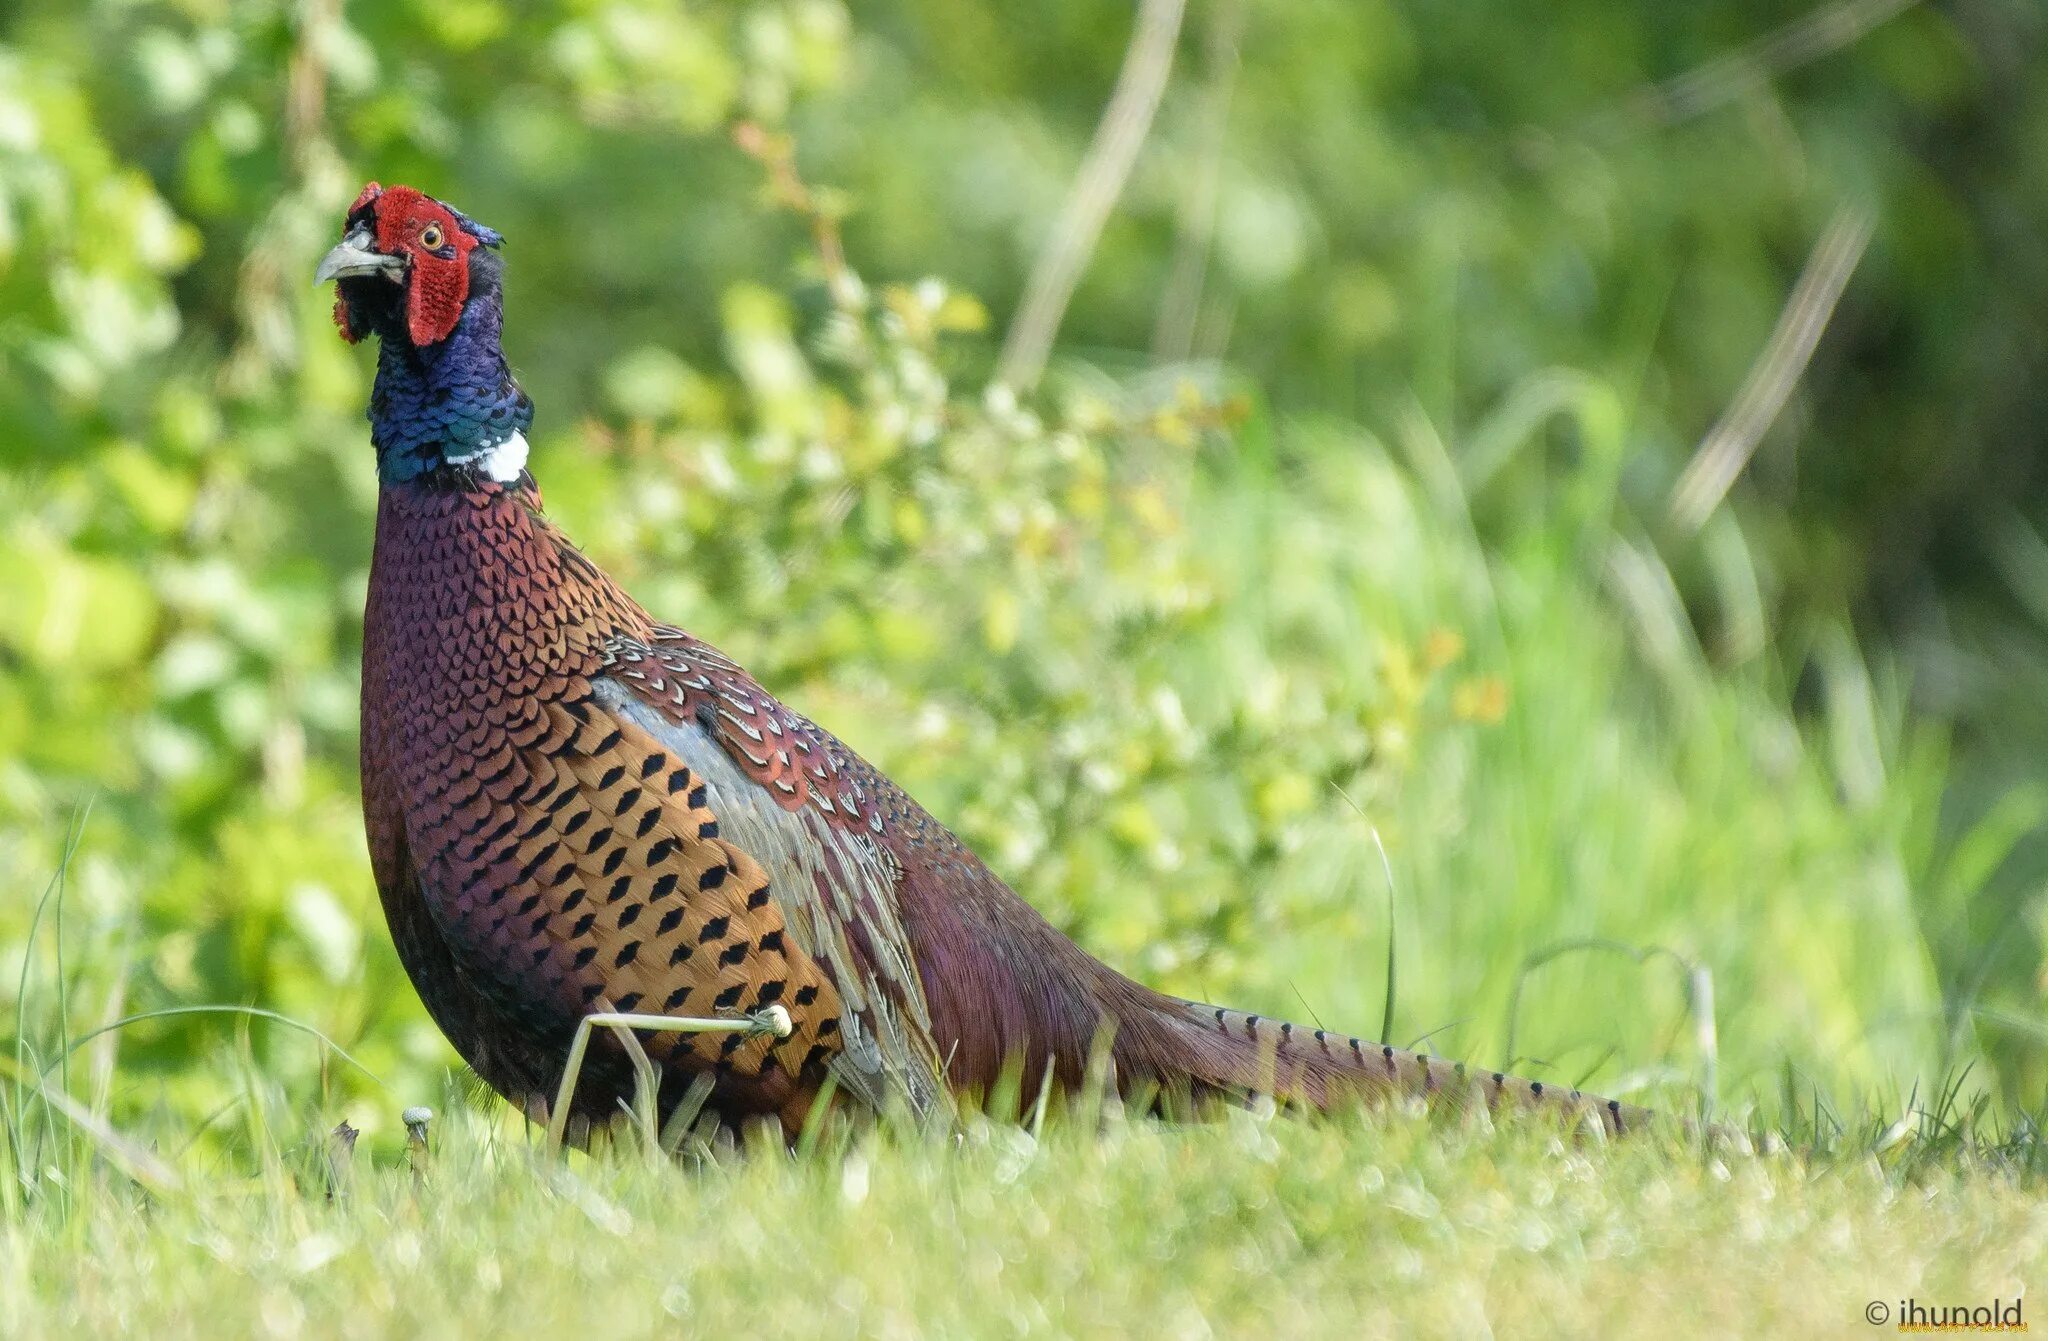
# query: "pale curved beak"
357, 254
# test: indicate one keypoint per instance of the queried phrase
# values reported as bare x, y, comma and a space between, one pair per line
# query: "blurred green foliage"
1365, 544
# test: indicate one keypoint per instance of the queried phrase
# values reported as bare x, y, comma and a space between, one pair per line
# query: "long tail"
1175, 1042
1038, 999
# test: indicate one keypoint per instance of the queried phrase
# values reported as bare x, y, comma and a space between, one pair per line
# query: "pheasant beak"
357, 254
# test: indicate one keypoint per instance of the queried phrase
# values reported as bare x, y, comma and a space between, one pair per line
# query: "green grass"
1367, 1225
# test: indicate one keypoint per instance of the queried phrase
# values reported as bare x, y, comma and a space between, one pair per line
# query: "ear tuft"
483, 233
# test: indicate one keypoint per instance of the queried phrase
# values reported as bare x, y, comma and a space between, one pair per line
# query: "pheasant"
573, 808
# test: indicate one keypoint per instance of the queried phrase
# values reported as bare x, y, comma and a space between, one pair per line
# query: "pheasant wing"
811, 814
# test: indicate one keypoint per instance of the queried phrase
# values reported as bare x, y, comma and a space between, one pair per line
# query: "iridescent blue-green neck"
453, 403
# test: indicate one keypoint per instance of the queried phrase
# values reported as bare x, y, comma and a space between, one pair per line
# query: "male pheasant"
573, 808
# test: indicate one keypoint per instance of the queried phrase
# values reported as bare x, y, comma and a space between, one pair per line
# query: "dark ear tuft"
364, 211
490, 237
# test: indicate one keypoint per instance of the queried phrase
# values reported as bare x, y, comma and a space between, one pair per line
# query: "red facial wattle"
423, 229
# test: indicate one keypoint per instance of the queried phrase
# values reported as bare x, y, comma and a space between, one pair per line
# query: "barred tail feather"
1215, 1048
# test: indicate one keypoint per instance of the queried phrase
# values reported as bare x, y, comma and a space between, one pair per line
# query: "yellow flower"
1482, 699
1284, 796
1404, 679
1441, 648
909, 521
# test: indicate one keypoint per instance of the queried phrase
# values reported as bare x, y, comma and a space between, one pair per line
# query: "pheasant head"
426, 280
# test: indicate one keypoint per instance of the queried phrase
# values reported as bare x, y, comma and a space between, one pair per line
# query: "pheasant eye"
430, 237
